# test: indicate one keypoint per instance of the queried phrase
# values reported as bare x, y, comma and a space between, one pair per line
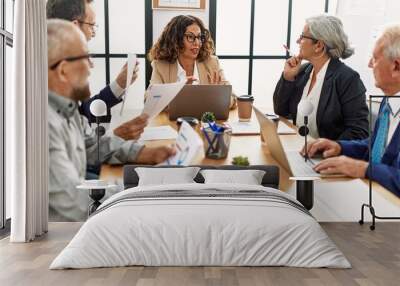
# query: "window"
122, 30
249, 37
6, 43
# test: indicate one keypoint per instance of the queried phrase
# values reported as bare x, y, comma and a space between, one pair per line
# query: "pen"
288, 50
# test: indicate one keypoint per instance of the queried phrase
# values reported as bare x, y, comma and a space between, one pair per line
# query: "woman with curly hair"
185, 50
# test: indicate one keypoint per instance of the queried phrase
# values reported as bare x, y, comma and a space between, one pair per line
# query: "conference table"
241, 145
335, 199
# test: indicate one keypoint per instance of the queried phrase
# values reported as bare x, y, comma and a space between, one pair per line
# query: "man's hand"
154, 155
121, 79
328, 148
342, 165
132, 129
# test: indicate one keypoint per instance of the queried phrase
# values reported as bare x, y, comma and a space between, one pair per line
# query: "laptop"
193, 100
291, 161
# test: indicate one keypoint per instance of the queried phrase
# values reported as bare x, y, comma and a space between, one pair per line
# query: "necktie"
380, 140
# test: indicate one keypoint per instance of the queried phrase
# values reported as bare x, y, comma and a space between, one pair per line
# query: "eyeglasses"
191, 38
93, 26
302, 36
71, 59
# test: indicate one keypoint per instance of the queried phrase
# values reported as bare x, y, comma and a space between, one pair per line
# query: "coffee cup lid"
246, 98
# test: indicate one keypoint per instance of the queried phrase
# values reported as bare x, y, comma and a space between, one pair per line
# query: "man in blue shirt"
81, 13
352, 157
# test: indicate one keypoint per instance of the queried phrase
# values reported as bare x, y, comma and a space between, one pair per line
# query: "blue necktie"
380, 140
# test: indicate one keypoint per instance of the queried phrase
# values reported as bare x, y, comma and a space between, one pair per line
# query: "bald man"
72, 143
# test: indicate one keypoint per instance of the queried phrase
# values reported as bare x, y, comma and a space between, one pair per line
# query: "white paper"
164, 132
117, 119
242, 128
283, 128
136, 99
159, 96
188, 146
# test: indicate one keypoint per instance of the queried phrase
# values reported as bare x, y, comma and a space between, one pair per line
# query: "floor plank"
374, 255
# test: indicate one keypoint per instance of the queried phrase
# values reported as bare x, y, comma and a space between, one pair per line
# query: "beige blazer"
165, 72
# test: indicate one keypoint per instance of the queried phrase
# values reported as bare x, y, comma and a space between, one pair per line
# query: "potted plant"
208, 117
240, 161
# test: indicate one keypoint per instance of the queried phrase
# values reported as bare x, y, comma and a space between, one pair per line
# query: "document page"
138, 99
188, 146
159, 96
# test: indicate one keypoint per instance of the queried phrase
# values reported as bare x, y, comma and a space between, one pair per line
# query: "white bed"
203, 225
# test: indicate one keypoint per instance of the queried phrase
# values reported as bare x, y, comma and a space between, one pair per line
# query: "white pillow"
166, 176
248, 177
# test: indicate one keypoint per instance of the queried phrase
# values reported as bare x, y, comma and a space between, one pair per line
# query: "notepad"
253, 128
245, 128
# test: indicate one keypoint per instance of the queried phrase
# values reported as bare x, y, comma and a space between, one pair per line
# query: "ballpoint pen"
288, 50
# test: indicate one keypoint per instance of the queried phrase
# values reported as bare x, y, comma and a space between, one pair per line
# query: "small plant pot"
216, 144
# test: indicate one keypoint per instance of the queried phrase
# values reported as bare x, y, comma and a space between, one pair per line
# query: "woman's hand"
292, 68
191, 79
215, 78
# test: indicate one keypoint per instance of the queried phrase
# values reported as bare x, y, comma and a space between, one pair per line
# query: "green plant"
208, 117
240, 161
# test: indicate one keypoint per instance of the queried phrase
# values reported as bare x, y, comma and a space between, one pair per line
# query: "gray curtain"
26, 130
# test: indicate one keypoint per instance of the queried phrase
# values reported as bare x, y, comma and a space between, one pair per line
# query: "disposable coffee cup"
245, 107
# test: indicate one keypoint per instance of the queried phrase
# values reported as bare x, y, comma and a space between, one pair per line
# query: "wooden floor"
374, 255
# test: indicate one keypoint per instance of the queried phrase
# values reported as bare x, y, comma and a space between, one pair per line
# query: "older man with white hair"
72, 143
385, 165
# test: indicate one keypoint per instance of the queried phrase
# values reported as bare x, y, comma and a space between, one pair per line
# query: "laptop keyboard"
301, 168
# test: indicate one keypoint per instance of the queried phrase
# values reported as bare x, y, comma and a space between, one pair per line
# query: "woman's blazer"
342, 112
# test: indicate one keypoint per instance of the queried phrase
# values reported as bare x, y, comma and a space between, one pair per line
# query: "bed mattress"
201, 225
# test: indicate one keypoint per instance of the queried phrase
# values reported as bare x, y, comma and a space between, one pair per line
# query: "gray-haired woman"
334, 89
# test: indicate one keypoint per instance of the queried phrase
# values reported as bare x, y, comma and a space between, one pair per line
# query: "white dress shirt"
313, 97
116, 89
394, 118
181, 75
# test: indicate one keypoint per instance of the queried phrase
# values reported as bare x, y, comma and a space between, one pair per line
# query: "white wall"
362, 20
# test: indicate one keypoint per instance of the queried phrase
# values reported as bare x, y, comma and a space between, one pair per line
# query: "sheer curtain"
26, 124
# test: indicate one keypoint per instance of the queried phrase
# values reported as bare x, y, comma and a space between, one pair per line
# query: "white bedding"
188, 231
